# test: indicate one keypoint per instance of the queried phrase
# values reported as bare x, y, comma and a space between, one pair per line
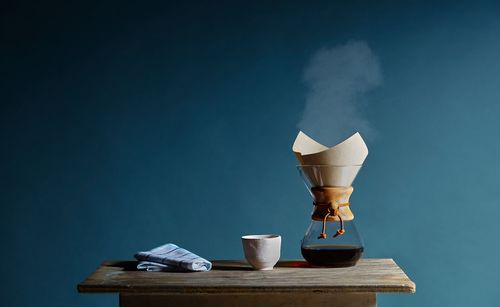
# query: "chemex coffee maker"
331, 239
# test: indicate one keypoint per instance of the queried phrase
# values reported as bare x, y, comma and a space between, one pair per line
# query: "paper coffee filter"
352, 151
306, 145
329, 175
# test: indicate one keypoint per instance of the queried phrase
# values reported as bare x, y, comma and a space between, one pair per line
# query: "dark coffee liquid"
332, 255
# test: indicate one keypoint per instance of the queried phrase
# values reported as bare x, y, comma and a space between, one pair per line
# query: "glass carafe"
332, 239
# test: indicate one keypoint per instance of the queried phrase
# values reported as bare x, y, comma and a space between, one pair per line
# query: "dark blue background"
125, 126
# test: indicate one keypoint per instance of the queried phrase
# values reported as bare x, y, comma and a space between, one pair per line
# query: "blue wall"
124, 126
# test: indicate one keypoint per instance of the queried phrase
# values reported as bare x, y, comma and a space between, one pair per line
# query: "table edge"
84, 287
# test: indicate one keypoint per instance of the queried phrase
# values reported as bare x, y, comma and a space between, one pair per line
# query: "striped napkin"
170, 257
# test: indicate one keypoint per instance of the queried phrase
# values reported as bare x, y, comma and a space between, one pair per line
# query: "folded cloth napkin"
170, 257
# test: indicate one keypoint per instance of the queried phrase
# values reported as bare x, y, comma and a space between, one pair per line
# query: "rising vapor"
337, 79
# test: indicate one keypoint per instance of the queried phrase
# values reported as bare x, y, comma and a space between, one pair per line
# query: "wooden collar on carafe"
327, 202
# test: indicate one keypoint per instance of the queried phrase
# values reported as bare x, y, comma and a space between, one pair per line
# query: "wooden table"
234, 283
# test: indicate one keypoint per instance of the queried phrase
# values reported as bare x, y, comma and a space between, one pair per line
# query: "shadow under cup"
262, 251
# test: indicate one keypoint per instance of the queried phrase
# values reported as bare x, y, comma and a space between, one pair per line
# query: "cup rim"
260, 237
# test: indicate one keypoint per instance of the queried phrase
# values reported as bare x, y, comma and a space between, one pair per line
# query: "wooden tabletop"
231, 276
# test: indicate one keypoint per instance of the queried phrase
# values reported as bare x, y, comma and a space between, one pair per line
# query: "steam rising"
337, 80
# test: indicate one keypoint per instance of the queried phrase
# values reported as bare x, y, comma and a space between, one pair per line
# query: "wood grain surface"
228, 276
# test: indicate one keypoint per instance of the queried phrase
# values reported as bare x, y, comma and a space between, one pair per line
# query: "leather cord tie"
332, 211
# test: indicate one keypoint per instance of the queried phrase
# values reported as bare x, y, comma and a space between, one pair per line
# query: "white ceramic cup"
262, 251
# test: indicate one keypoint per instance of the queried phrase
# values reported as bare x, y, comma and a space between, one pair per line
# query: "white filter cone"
329, 175
336, 166
352, 151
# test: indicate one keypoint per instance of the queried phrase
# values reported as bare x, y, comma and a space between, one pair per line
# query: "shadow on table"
241, 265
219, 265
